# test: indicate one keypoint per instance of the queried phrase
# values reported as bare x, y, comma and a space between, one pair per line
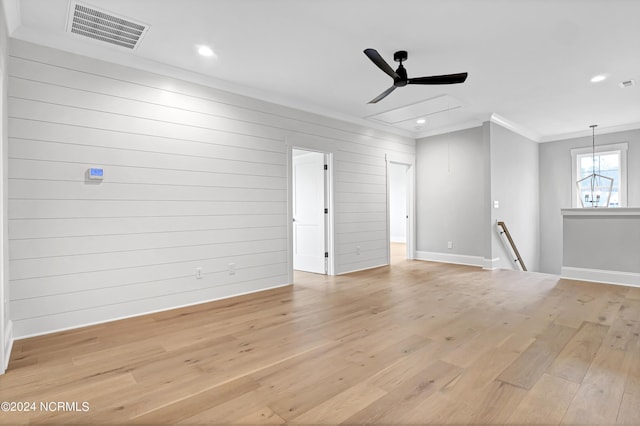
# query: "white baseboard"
458, 259
362, 269
8, 344
490, 264
601, 276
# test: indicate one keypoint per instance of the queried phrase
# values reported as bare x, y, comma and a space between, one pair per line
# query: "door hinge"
326, 167
326, 254
326, 211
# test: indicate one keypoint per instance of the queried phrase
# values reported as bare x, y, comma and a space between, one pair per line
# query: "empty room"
320, 212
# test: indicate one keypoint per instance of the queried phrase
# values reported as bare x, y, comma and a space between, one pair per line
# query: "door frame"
328, 202
411, 204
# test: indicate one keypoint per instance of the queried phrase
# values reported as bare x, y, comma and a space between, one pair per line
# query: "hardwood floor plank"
199, 401
342, 406
457, 401
629, 413
624, 333
407, 366
472, 349
264, 416
634, 293
498, 403
632, 385
600, 394
228, 412
574, 360
608, 313
546, 402
406, 395
291, 404
529, 367
584, 303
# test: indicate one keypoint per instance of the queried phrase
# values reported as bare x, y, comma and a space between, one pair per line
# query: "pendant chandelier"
595, 189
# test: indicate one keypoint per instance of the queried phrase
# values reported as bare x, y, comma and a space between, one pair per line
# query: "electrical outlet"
496, 204
198, 273
232, 269
450, 244
358, 250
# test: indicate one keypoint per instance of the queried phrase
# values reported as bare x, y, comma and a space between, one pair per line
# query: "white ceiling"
529, 61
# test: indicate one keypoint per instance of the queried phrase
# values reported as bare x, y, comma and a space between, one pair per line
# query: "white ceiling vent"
88, 21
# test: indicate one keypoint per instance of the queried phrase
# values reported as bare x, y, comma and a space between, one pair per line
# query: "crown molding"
514, 127
449, 129
12, 15
494, 118
534, 136
587, 132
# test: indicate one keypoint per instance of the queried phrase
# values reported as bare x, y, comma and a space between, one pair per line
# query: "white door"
308, 211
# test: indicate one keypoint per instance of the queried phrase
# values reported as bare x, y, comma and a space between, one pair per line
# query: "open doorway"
310, 204
398, 217
400, 211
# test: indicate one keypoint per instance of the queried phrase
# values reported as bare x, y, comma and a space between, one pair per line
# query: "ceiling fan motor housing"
402, 77
400, 55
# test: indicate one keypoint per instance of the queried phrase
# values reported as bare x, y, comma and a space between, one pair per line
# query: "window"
609, 161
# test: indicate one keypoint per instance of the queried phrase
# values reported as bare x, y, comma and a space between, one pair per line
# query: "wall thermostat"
96, 174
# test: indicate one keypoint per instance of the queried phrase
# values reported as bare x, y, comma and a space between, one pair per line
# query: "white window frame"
618, 147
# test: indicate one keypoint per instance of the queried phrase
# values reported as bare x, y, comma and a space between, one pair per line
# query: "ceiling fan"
400, 78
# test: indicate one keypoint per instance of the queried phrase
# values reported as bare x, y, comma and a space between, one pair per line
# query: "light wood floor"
418, 342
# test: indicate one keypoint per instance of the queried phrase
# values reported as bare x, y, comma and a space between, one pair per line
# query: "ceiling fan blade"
440, 79
377, 59
382, 95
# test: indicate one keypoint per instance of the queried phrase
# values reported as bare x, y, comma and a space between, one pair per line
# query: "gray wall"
602, 242
451, 193
458, 176
514, 183
556, 182
194, 177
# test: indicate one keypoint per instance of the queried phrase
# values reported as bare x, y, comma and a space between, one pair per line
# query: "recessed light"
598, 78
205, 51
421, 121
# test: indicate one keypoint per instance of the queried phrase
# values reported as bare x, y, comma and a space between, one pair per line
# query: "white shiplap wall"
194, 177
6, 333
